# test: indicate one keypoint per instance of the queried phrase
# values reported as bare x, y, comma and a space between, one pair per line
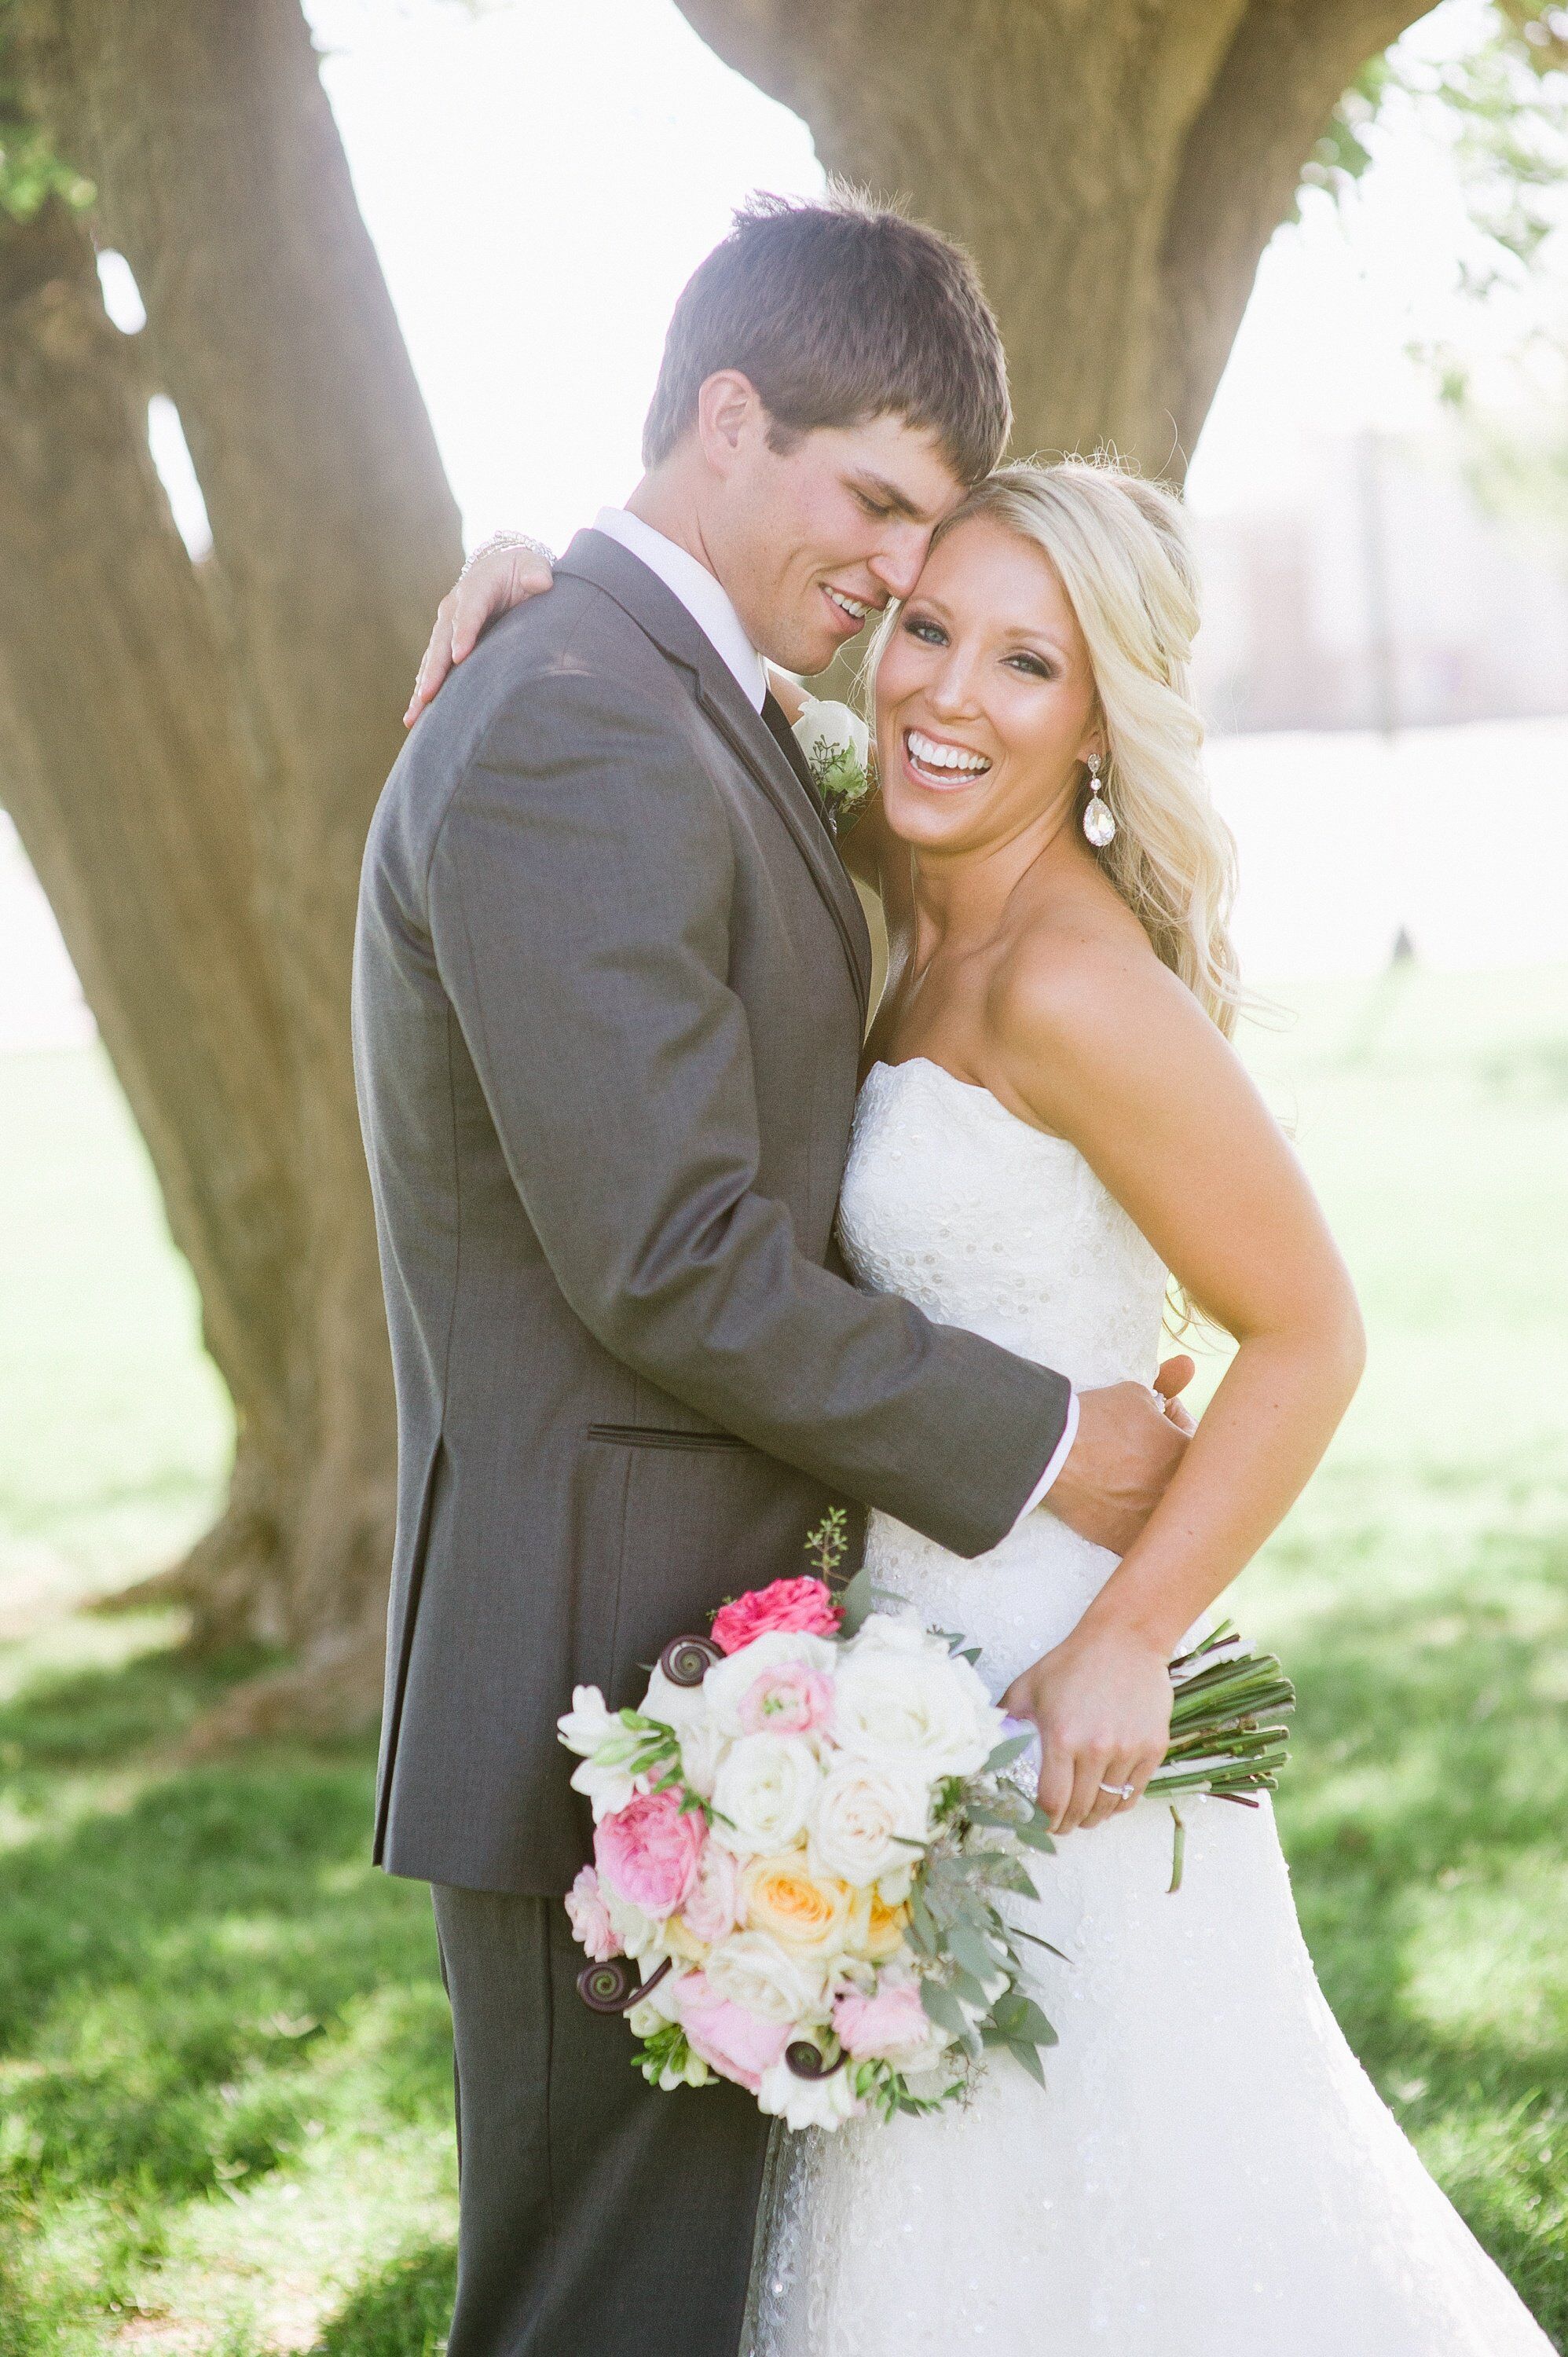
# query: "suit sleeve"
579, 899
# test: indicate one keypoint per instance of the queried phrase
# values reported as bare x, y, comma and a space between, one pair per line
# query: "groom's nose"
897, 562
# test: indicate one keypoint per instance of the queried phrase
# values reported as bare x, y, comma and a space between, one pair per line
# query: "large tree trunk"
132, 794
1115, 170
221, 178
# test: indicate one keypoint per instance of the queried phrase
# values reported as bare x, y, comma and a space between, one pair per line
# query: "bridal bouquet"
803, 1837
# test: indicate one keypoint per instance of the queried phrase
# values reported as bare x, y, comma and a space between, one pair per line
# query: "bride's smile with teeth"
938, 762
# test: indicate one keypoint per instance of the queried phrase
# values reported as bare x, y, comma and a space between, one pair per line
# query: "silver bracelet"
507, 540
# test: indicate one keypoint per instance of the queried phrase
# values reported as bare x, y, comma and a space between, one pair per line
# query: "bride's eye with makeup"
1032, 666
922, 625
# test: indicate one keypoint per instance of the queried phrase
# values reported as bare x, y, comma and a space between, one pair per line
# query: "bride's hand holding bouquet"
1102, 1703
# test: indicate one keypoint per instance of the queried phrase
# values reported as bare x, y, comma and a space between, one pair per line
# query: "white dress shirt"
707, 602
700, 592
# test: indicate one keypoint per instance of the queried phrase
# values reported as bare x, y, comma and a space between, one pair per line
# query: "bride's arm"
503, 572
500, 573
1111, 1050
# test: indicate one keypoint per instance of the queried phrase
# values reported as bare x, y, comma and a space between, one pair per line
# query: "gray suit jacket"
610, 986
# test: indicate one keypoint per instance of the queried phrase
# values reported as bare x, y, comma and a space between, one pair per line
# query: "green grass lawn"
224, 2068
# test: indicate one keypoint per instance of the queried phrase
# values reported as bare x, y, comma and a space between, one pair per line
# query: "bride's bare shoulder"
1080, 1002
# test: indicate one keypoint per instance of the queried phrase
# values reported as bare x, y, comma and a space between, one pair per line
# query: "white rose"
860, 1812
808, 2103
825, 731
689, 1712
763, 1793
752, 1970
729, 1682
905, 1702
703, 1749
672, 1705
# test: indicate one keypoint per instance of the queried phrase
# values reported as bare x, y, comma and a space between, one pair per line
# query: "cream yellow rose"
884, 1934
678, 1937
810, 1914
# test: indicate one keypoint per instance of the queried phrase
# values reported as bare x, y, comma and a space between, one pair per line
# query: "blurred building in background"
1384, 595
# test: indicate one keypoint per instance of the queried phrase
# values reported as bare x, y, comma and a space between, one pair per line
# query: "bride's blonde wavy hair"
1119, 548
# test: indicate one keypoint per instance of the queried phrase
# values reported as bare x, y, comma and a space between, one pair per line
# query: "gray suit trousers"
595, 2214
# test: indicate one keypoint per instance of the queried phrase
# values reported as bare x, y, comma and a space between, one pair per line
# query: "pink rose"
790, 1699
736, 2043
590, 1918
887, 2025
796, 1604
648, 1851
711, 1909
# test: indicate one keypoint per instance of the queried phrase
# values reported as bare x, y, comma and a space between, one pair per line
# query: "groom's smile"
813, 532
855, 610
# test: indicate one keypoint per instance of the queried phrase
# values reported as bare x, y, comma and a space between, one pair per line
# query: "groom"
610, 987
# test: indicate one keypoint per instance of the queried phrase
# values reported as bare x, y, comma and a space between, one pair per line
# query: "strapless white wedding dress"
1209, 2172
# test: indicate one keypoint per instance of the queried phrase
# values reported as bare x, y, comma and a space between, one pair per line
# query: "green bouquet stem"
1224, 1739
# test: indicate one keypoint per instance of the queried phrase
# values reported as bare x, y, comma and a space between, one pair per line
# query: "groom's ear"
730, 415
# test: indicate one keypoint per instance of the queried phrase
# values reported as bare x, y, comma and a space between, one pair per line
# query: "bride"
1051, 1120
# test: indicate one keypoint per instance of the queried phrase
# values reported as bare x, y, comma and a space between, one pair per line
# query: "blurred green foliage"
30, 171
1501, 104
224, 2060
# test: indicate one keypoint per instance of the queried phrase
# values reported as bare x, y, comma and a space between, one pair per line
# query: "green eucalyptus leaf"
1028, 2060
859, 1600
944, 2008
968, 1948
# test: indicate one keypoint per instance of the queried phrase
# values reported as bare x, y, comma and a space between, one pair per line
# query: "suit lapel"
656, 610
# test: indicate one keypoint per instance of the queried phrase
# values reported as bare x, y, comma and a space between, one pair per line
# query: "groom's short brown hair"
839, 310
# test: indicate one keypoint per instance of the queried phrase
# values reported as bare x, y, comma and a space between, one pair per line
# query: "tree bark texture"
1116, 170
131, 790
221, 178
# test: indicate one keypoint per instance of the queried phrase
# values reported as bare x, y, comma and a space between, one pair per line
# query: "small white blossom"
589, 1723
808, 2103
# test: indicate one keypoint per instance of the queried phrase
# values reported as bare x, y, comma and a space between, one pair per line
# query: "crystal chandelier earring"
1098, 822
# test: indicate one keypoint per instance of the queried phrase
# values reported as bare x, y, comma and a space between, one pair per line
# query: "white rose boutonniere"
837, 745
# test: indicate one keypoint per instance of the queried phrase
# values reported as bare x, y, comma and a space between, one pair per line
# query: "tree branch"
1284, 72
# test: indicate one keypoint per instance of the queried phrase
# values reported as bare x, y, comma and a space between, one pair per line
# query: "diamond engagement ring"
1121, 1792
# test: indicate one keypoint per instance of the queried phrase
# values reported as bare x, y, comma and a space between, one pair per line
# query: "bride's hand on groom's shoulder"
498, 575
1102, 1700
1129, 1444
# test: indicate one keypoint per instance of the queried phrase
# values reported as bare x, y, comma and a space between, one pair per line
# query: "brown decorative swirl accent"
807, 2062
613, 1987
686, 1661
